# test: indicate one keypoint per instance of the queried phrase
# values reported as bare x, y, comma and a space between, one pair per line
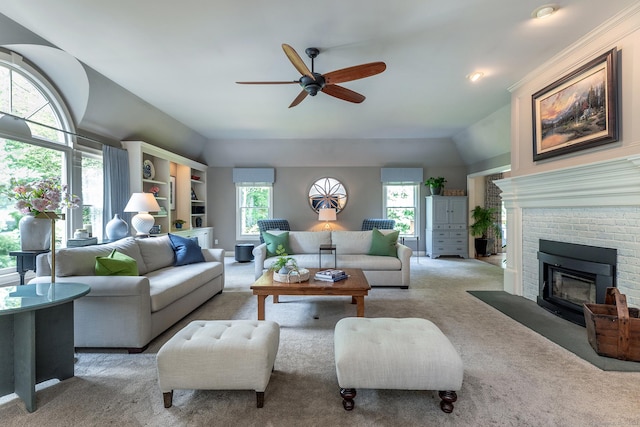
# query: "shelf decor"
148, 170
578, 111
172, 193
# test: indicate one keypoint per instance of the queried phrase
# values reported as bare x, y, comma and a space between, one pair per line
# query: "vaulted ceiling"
185, 57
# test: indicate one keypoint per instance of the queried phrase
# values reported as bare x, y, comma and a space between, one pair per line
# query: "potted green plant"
436, 185
484, 220
178, 223
284, 264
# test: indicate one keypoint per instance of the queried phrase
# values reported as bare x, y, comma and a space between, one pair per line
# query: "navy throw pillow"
186, 250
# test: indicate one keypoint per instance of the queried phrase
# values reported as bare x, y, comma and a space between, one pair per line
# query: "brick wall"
611, 227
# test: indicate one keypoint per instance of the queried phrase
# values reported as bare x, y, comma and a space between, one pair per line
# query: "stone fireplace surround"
596, 204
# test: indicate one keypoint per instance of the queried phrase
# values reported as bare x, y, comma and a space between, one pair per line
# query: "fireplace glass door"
573, 287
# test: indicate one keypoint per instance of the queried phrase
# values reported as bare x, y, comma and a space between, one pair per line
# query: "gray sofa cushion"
308, 242
164, 290
351, 242
370, 262
156, 252
81, 261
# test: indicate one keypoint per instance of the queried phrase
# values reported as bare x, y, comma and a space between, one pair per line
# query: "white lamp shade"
142, 203
327, 214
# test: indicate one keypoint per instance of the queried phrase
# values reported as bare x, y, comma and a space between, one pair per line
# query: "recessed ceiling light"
475, 76
544, 11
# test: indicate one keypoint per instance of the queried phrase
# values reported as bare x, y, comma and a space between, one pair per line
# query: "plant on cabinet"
436, 185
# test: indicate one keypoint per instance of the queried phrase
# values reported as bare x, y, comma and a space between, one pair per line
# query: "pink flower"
46, 195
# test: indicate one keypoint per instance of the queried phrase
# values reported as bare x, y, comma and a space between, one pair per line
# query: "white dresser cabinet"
446, 220
204, 235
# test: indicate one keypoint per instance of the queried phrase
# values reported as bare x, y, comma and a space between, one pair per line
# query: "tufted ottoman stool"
404, 354
219, 355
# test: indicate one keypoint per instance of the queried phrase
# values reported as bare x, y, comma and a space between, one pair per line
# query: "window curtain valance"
266, 175
401, 175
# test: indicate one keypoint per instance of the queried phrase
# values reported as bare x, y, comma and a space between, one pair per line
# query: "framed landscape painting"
578, 111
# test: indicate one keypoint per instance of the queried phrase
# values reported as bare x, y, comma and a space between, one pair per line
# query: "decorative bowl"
302, 275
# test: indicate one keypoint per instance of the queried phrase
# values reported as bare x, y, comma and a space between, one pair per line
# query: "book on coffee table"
331, 275
332, 272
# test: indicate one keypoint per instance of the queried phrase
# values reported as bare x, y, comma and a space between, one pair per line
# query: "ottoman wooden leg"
259, 399
168, 399
348, 394
448, 397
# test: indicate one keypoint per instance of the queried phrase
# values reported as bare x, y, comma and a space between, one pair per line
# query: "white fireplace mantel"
608, 183
602, 184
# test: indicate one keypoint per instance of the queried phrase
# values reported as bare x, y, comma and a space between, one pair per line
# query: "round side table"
244, 252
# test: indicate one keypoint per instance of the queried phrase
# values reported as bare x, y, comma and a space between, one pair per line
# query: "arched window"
36, 142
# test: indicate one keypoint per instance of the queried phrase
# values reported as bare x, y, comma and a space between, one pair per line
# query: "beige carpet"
513, 376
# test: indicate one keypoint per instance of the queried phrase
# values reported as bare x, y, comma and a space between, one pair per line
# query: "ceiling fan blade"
343, 93
301, 96
354, 73
268, 83
297, 61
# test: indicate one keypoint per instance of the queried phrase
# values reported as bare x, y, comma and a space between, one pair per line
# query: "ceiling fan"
313, 82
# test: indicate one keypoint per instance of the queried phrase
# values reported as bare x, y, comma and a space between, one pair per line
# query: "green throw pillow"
277, 244
116, 264
384, 244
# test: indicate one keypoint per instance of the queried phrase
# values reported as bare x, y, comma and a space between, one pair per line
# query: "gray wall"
290, 198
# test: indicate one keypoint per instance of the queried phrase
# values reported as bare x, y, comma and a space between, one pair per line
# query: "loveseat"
352, 251
129, 311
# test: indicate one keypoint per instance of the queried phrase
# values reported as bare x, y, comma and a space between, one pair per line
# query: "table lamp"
143, 203
326, 215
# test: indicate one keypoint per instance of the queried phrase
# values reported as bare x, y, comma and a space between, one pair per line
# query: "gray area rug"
513, 375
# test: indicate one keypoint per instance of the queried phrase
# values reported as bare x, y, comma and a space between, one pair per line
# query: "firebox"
571, 275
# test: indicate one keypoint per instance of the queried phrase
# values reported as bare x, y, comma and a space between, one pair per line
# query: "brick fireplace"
596, 205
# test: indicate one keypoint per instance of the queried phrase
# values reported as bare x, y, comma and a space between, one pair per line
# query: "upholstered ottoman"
219, 355
405, 354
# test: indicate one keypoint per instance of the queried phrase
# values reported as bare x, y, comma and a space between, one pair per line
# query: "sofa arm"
259, 255
43, 268
404, 255
214, 254
115, 313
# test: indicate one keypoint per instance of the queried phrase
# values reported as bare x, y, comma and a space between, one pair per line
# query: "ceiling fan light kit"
313, 82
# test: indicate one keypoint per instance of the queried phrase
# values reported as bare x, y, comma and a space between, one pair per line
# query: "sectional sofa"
129, 311
352, 251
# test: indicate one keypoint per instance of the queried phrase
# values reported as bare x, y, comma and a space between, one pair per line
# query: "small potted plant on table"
285, 268
178, 223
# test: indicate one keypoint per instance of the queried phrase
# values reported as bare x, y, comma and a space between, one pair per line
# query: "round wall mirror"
327, 193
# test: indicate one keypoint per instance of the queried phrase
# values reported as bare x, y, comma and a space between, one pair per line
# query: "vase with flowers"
39, 202
155, 190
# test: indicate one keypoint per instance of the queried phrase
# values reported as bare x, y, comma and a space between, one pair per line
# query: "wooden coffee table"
355, 286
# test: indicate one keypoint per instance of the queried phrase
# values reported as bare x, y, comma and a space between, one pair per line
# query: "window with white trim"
400, 203
254, 201
31, 145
